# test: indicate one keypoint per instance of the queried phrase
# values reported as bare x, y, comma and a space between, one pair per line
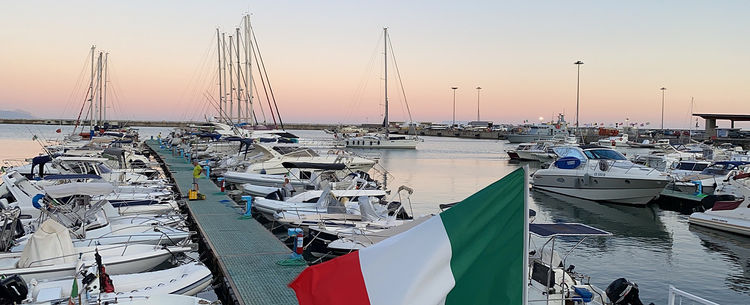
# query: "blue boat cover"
567, 163
565, 229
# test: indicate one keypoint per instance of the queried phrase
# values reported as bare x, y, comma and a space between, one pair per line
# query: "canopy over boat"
79, 188
311, 165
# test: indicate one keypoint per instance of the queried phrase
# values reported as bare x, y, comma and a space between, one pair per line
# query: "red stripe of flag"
335, 282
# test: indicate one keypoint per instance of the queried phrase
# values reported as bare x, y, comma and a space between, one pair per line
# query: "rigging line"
263, 82
265, 72
195, 78
400, 81
191, 110
262, 112
77, 87
213, 103
364, 80
83, 105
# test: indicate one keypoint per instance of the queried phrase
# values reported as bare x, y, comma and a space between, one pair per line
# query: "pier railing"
679, 297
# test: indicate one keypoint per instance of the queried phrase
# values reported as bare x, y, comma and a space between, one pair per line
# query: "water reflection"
734, 249
643, 223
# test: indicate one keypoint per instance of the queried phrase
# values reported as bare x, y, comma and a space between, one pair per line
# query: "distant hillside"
15, 114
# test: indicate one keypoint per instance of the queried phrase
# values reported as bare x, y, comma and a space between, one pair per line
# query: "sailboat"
383, 140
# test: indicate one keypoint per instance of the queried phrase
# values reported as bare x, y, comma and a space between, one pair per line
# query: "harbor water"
652, 246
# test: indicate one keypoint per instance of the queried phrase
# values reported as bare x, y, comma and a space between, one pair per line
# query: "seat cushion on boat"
584, 294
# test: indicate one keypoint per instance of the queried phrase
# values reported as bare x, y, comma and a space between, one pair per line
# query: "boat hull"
522, 138
631, 191
723, 223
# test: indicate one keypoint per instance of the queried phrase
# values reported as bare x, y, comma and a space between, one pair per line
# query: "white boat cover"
367, 210
49, 245
79, 188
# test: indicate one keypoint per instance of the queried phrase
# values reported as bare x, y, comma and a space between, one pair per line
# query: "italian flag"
473, 253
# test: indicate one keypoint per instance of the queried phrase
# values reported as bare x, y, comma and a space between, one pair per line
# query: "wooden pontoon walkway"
245, 252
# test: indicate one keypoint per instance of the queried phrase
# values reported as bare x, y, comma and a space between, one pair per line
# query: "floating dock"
241, 253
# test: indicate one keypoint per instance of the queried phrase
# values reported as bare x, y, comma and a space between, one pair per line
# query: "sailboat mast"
104, 99
239, 79
218, 53
99, 89
91, 90
224, 73
385, 74
231, 80
248, 71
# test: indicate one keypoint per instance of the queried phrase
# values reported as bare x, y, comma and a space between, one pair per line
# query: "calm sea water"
652, 246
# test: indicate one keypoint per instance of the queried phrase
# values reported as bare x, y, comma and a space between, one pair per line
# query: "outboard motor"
623, 292
13, 290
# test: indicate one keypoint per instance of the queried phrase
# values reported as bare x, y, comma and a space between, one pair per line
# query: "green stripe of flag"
486, 233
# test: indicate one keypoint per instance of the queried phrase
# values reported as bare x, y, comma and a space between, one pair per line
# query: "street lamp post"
454, 107
662, 106
478, 88
578, 90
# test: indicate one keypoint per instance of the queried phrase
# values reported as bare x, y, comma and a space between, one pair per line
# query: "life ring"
603, 165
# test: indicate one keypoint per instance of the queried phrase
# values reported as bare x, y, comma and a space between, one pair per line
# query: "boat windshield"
103, 169
691, 166
569, 152
718, 169
604, 154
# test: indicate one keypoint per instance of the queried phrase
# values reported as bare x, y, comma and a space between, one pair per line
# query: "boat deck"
245, 252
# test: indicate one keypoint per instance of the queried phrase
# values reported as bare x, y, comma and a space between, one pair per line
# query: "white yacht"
616, 141
382, 141
729, 207
710, 178
541, 132
276, 155
600, 174
538, 151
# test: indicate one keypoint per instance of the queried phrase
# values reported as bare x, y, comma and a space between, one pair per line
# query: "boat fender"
36, 201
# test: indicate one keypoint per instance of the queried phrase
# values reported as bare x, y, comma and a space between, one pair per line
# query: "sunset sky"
319, 55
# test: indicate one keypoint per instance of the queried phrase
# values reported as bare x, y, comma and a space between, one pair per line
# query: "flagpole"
525, 233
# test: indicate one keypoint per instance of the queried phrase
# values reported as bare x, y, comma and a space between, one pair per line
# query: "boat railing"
679, 297
81, 253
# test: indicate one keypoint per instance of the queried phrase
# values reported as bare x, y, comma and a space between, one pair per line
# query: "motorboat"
187, 279
355, 237
541, 132
276, 155
314, 201
373, 141
302, 176
728, 209
538, 151
710, 178
50, 254
599, 174
615, 141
